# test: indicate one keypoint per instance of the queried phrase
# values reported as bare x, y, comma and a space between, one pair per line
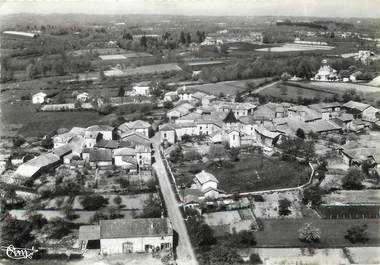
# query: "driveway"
185, 251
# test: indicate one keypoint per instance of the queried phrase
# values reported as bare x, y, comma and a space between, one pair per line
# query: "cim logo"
19, 253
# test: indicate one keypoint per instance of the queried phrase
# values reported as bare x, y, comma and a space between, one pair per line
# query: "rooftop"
204, 177
142, 227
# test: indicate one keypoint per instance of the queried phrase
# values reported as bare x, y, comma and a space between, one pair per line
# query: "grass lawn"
248, 175
284, 232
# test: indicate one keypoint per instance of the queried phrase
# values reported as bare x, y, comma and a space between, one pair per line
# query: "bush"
309, 234
357, 234
254, 258
258, 198
283, 207
94, 202
353, 179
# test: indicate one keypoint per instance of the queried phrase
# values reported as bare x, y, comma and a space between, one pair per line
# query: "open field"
293, 47
343, 87
283, 232
288, 92
247, 174
41, 123
228, 87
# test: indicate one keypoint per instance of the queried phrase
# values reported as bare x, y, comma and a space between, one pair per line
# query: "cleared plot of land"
249, 174
292, 47
284, 232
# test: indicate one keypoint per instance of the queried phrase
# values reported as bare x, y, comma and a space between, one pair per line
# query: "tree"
238, 98
93, 202
205, 235
168, 105
117, 200
188, 38
121, 92
313, 195
15, 232
37, 221
31, 71
353, 179
300, 133
143, 41
254, 258
176, 155
357, 234
234, 154
152, 207
283, 207
221, 255
244, 238
56, 228
182, 37
285, 76
309, 234
102, 76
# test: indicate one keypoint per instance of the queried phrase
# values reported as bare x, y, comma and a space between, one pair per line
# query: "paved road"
185, 251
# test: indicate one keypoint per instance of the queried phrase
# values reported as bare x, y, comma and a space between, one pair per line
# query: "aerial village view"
190, 133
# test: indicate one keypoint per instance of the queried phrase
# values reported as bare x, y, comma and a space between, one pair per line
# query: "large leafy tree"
357, 234
94, 202
353, 179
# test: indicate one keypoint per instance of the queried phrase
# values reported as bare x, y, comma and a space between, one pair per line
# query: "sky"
315, 8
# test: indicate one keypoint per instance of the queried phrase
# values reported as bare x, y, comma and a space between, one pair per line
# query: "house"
62, 139
167, 133
326, 72
132, 139
143, 156
233, 137
327, 110
204, 180
39, 98
106, 131
62, 150
353, 77
266, 137
239, 109
138, 126
179, 111
362, 111
122, 236
83, 97
170, 96
142, 88
37, 166
124, 157
185, 94
91, 138
305, 113
100, 158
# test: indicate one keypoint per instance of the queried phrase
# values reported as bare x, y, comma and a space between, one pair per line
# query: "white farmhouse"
39, 98
82, 97
123, 236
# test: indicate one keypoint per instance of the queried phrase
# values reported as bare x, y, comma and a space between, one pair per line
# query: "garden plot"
364, 255
130, 202
292, 47
269, 208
